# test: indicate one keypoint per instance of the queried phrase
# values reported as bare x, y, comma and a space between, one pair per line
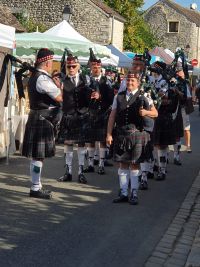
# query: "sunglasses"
72, 66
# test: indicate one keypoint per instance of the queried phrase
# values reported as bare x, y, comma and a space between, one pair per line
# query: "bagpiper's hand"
143, 112
109, 139
95, 95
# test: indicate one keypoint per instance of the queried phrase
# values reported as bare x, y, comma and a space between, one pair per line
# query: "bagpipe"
53, 115
170, 73
23, 67
145, 85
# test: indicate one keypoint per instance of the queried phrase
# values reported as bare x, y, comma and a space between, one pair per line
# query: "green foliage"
29, 24
137, 34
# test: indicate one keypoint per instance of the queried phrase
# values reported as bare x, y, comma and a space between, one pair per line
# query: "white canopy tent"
7, 34
65, 30
124, 61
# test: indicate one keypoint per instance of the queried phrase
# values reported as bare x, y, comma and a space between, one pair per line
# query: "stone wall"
118, 31
158, 17
87, 18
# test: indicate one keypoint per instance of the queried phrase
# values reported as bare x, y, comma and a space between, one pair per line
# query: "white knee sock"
162, 160
144, 170
134, 181
102, 155
155, 154
151, 165
124, 180
69, 157
35, 172
96, 152
81, 158
177, 148
91, 156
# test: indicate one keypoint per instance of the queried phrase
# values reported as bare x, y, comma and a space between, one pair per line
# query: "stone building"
175, 26
7, 18
92, 18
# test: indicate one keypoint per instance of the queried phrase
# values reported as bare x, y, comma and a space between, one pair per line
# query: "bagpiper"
164, 129
131, 141
39, 139
76, 119
99, 112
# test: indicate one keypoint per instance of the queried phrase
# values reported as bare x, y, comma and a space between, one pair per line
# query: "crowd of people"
132, 119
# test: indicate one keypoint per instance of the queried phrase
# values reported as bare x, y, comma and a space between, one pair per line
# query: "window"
173, 26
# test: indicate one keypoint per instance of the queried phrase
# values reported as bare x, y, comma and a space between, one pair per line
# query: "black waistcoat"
76, 98
37, 100
104, 87
128, 111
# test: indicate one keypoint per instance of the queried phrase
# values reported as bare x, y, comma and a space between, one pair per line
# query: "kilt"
75, 128
131, 145
39, 140
164, 133
98, 130
178, 124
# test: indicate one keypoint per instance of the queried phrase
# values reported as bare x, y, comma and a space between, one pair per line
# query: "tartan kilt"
164, 133
131, 145
98, 129
39, 140
74, 128
178, 124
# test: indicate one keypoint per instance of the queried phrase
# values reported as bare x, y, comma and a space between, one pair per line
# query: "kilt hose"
164, 133
74, 128
131, 145
39, 140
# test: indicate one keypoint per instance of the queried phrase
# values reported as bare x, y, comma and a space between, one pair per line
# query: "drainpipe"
197, 52
112, 32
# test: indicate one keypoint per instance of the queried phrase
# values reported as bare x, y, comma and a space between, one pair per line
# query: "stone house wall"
158, 17
88, 19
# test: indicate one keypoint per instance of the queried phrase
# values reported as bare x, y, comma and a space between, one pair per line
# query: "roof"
192, 15
7, 18
108, 10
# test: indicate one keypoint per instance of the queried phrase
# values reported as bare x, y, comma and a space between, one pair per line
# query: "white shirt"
76, 78
45, 85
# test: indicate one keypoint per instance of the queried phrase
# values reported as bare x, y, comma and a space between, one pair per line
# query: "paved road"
81, 227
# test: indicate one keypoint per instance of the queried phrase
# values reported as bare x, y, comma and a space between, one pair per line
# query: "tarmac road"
80, 226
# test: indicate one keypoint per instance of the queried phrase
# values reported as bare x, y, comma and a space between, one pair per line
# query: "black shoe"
150, 175
82, 179
120, 199
89, 169
41, 193
160, 177
143, 185
107, 163
189, 150
101, 170
133, 200
177, 162
96, 162
67, 177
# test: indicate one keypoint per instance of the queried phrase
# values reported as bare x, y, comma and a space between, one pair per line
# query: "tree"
29, 24
137, 34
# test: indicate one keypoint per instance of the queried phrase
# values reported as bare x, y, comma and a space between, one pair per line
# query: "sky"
185, 3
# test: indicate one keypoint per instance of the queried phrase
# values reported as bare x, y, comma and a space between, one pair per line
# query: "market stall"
65, 30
